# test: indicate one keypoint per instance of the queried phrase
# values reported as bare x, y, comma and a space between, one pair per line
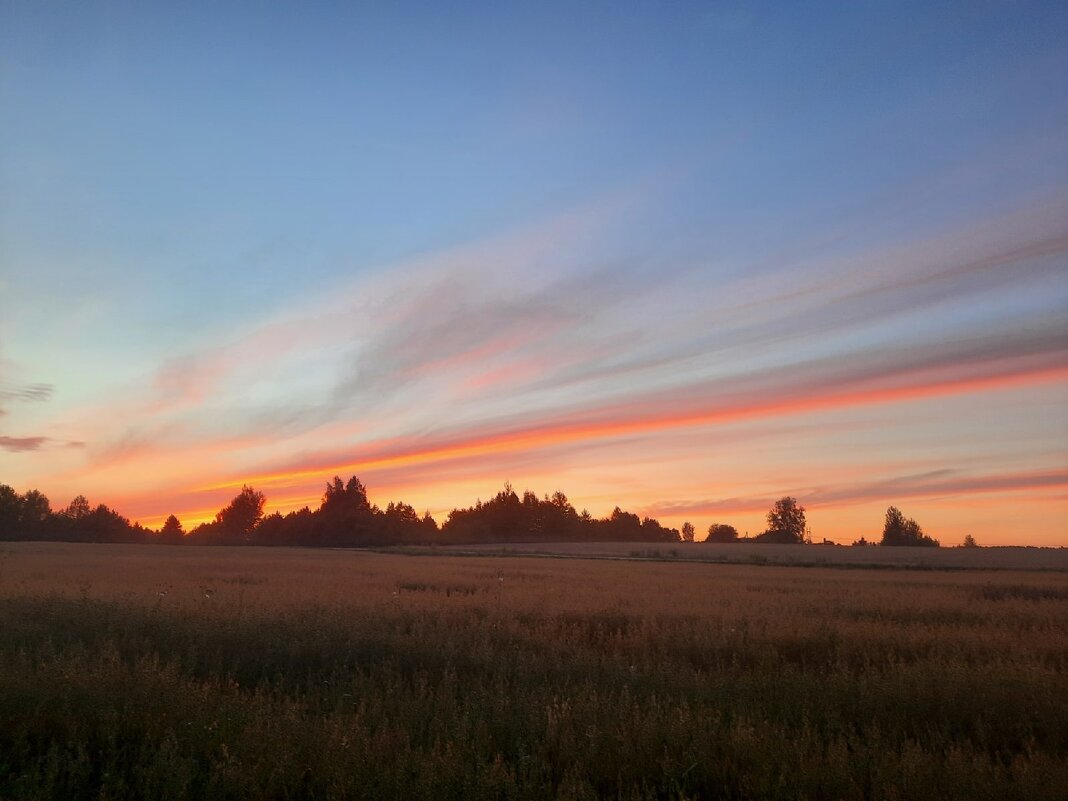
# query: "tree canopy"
899, 530
172, 531
346, 517
722, 532
786, 522
508, 518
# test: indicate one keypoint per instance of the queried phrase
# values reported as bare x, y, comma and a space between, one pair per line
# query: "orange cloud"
935, 484
638, 418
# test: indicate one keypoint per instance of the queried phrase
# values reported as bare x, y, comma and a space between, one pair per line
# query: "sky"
685, 258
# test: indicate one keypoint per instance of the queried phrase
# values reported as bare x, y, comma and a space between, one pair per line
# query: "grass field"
1003, 558
155, 672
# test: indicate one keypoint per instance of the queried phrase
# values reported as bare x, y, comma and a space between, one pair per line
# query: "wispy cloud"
25, 392
481, 331
21, 444
821, 301
999, 359
25, 444
936, 483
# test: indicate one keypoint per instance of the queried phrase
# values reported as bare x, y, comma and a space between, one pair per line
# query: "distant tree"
78, 508
722, 532
34, 514
786, 522
653, 531
10, 512
345, 500
401, 524
30, 517
172, 531
688, 531
622, 526
346, 516
104, 524
560, 501
273, 529
860, 543
238, 519
296, 528
507, 517
899, 530
969, 542
402, 513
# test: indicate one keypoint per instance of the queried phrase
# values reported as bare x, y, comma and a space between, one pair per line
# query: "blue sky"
323, 215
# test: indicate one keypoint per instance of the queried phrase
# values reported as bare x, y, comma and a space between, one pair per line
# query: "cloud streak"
471, 330
937, 483
999, 360
25, 392
22, 444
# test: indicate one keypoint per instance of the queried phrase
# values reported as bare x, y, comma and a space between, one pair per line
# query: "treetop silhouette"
346, 517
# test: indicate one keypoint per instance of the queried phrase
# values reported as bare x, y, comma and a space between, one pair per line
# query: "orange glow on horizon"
836, 522
564, 433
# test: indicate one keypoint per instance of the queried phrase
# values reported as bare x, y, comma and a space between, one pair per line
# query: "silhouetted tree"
346, 516
400, 524
295, 528
623, 526
172, 532
10, 512
653, 531
688, 531
30, 517
899, 530
104, 524
721, 532
78, 508
503, 518
345, 500
786, 522
34, 514
969, 542
508, 518
237, 520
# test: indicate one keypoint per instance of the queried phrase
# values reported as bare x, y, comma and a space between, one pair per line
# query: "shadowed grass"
397, 677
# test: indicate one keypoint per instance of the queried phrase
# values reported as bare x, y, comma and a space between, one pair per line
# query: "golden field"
1000, 558
155, 672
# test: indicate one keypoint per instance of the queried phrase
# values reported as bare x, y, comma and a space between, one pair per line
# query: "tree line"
346, 517
787, 525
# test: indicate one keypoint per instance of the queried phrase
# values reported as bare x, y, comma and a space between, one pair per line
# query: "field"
1004, 558
200, 673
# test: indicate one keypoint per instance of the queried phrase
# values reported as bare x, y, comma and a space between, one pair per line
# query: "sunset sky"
683, 258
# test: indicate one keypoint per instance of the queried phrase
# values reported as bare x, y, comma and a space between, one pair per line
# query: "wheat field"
138, 672
999, 558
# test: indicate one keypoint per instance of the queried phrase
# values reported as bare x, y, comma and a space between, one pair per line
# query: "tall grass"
217, 673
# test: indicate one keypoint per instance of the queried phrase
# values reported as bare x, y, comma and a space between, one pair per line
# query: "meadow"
999, 558
138, 672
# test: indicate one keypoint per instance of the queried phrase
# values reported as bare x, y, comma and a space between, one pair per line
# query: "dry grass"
1003, 558
136, 672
